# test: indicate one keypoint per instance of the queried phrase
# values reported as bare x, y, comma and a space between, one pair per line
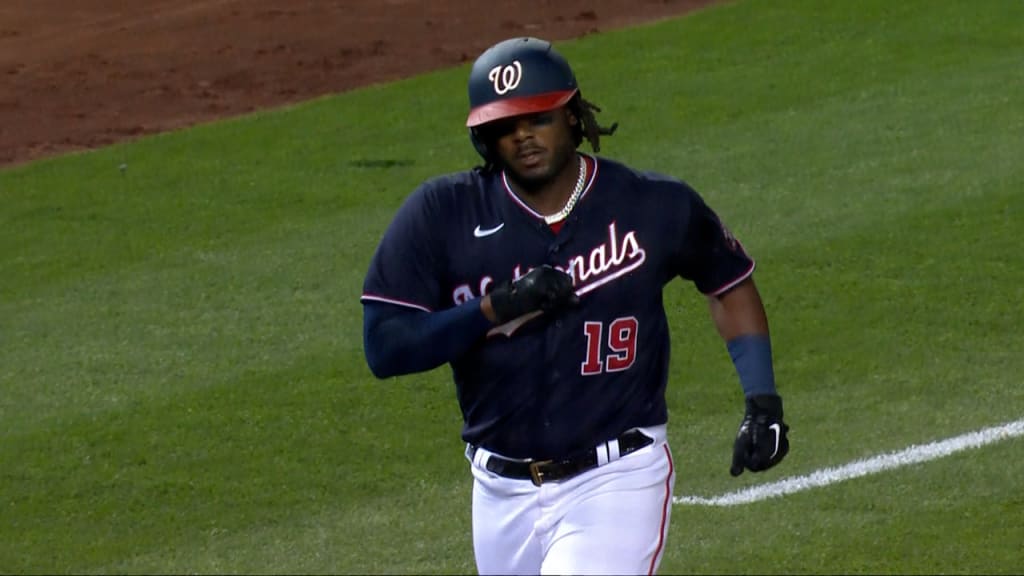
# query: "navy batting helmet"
518, 76
526, 76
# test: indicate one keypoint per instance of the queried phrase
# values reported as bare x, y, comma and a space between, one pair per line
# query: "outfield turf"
182, 385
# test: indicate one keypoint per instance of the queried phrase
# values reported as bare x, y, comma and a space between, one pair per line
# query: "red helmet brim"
518, 106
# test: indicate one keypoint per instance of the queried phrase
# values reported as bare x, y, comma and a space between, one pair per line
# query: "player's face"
536, 147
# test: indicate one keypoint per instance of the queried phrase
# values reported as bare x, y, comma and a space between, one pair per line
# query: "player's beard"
560, 159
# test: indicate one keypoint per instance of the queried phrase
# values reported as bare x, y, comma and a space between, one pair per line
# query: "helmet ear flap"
478, 142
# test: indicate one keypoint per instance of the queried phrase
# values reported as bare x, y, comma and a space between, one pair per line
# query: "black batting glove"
545, 288
761, 441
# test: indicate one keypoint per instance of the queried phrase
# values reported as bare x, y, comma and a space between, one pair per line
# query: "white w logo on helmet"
506, 78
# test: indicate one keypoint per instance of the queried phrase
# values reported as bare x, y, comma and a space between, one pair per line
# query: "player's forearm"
741, 320
401, 341
739, 312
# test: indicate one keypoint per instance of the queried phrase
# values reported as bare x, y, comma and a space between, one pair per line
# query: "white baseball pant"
612, 519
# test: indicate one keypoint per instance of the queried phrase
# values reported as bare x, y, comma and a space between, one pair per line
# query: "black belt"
541, 471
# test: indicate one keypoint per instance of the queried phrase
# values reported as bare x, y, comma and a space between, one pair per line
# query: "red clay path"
77, 74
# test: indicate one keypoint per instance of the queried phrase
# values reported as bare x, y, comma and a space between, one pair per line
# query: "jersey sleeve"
407, 264
711, 257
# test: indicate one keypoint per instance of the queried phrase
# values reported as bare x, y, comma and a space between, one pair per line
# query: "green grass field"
182, 384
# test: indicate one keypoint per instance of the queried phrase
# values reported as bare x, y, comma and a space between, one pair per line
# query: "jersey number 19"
621, 346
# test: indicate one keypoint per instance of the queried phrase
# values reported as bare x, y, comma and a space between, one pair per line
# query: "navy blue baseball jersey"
569, 380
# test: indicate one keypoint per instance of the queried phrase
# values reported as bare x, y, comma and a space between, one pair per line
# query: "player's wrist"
507, 303
752, 356
765, 404
487, 308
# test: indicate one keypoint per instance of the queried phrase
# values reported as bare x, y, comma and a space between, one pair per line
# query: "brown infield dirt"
78, 74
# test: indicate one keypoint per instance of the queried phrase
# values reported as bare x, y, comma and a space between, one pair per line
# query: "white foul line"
856, 469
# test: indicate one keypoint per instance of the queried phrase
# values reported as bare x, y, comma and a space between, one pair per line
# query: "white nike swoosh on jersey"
778, 432
480, 232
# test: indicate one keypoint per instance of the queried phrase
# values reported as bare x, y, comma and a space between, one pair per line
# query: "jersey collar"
592, 168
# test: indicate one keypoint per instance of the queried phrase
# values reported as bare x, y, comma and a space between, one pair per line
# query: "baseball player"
538, 277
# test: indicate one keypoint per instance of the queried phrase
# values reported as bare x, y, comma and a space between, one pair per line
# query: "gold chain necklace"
561, 214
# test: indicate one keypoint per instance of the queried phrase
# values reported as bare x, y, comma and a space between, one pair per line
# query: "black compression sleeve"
399, 340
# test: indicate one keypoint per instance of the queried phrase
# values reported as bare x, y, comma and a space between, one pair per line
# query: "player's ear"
570, 116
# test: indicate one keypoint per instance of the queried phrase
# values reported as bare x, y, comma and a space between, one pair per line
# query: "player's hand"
761, 441
545, 289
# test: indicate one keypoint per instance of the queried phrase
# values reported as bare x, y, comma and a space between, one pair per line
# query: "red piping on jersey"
405, 303
591, 178
741, 278
664, 511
